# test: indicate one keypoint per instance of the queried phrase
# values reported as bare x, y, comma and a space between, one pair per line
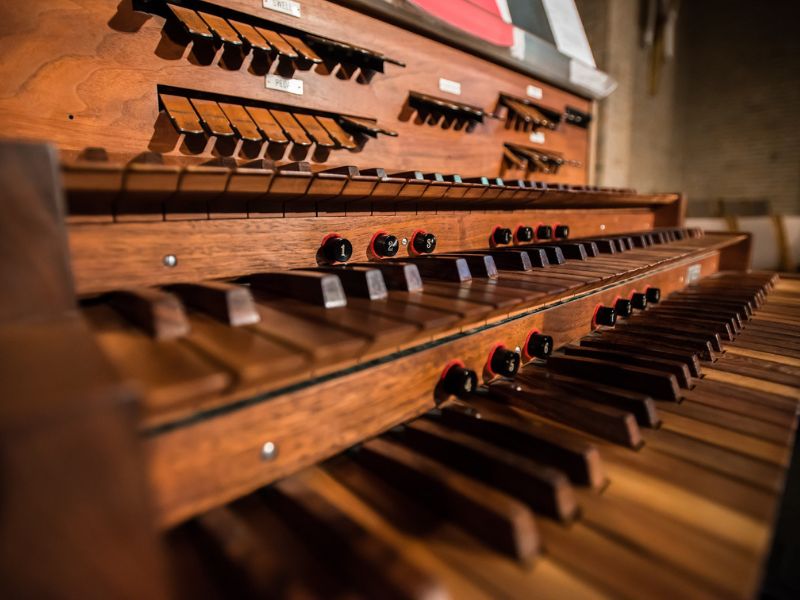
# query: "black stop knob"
605, 316
386, 245
337, 249
524, 233
505, 362
502, 236
424, 243
459, 381
544, 232
539, 345
653, 295
639, 301
562, 232
623, 308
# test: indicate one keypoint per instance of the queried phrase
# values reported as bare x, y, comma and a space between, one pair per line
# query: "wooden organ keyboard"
241, 359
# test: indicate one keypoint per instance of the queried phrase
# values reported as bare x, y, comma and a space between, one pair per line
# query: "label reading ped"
692, 274
287, 7
281, 84
451, 87
535, 92
537, 137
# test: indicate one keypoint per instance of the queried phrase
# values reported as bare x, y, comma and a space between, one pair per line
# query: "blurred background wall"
718, 120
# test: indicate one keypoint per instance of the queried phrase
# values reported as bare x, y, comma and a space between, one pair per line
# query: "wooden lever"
191, 21
213, 118
363, 282
222, 29
245, 126
231, 304
543, 488
182, 114
267, 125
159, 313
603, 421
323, 289
498, 520
577, 458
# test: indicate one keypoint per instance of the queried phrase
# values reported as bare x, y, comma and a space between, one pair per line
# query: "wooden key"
302, 48
690, 359
676, 368
685, 331
638, 404
445, 268
367, 560
500, 521
701, 347
231, 304
182, 114
251, 552
191, 21
658, 384
481, 266
512, 260
170, 373
244, 126
579, 460
572, 251
159, 313
344, 139
397, 276
382, 332
274, 39
322, 289
554, 254
603, 421
465, 310
246, 354
543, 488
291, 127
315, 131
250, 36
222, 29
497, 299
324, 343
723, 330
760, 369
755, 428
760, 474
709, 315
427, 319
267, 125
362, 282
213, 118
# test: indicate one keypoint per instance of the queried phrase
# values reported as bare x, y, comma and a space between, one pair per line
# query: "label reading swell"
287, 7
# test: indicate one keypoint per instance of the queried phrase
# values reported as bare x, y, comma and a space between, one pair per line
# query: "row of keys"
154, 185
525, 464
241, 34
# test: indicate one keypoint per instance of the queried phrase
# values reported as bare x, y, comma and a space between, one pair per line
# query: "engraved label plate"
281, 84
535, 92
692, 274
287, 7
451, 87
537, 137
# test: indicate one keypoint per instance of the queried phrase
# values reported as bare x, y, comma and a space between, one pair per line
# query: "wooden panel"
99, 88
133, 253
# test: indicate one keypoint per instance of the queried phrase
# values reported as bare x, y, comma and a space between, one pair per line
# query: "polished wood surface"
100, 88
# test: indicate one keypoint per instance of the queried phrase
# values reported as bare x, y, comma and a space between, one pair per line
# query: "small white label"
537, 137
281, 84
287, 7
692, 274
518, 44
451, 87
534, 92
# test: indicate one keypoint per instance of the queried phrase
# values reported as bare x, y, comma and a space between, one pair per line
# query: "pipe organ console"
284, 315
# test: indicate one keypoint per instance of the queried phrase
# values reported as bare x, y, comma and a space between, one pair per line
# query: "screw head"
269, 451
170, 260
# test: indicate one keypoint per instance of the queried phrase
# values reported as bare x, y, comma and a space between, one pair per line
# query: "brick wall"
723, 124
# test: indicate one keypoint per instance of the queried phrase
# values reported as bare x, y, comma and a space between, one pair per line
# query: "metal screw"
269, 451
602, 227
404, 241
170, 260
